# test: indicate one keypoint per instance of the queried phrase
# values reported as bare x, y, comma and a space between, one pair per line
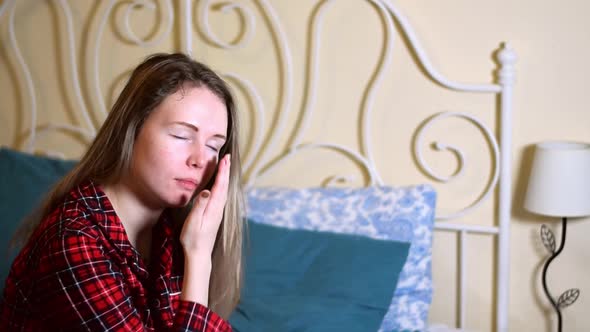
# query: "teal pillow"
298, 280
24, 180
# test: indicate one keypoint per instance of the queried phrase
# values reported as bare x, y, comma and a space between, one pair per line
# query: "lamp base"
571, 295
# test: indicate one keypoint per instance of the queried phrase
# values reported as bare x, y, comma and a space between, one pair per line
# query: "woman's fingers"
200, 204
222, 178
193, 225
220, 187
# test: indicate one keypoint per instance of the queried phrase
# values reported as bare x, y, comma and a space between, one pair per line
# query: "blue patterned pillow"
402, 214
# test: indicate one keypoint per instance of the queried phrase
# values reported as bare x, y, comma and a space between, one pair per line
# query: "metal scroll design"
460, 157
263, 154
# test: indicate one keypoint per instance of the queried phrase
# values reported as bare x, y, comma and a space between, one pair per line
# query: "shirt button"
156, 303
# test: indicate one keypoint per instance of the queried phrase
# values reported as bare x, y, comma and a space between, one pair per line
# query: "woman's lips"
188, 184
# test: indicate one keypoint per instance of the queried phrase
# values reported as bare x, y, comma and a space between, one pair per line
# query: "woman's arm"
89, 291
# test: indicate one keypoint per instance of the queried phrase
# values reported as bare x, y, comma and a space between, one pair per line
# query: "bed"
384, 181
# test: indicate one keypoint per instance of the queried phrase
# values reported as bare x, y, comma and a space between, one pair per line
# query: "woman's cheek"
210, 171
165, 156
163, 152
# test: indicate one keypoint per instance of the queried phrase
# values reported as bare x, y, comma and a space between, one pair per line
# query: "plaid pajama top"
79, 272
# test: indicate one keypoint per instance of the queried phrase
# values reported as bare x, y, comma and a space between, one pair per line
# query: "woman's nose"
198, 157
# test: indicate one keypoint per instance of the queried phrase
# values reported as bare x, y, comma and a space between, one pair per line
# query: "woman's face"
177, 149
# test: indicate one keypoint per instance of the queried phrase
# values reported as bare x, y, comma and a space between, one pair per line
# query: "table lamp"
559, 186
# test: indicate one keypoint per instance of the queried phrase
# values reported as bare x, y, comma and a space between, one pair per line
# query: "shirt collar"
94, 199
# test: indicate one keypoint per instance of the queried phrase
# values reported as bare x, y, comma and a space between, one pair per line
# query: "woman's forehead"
196, 105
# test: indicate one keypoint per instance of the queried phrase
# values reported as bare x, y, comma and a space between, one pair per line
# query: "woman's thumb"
201, 202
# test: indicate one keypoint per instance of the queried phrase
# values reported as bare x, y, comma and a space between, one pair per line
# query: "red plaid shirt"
79, 272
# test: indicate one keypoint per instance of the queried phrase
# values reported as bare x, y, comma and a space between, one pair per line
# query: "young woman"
145, 233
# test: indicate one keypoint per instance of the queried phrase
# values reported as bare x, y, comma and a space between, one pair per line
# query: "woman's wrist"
197, 274
197, 261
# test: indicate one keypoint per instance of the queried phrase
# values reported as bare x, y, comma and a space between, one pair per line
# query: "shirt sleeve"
90, 293
199, 318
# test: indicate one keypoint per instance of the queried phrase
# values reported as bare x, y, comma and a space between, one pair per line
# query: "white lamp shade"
559, 184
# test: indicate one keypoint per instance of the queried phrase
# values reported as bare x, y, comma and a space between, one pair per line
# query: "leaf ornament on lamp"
559, 186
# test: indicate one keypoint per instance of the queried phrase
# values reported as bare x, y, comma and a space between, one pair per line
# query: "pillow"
24, 180
400, 214
298, 280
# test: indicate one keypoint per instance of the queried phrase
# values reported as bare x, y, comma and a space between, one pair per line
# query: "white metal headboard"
264, 157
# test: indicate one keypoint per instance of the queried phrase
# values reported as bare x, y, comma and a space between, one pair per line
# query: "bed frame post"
507, 58
186, 25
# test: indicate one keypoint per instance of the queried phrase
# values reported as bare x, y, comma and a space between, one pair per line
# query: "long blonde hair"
109, 157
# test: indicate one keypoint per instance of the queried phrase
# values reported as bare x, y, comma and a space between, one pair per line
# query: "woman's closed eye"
180, 137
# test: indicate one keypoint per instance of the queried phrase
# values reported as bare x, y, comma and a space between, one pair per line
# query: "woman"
145, 233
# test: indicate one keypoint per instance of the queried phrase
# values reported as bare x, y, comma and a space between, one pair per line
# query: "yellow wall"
459, 35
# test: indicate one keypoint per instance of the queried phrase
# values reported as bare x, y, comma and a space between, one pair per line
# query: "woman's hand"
198, 236
200, 228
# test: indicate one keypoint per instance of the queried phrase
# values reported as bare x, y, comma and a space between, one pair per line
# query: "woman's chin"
180, 201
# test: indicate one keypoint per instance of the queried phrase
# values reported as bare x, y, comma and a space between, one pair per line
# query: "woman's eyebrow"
196, 129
